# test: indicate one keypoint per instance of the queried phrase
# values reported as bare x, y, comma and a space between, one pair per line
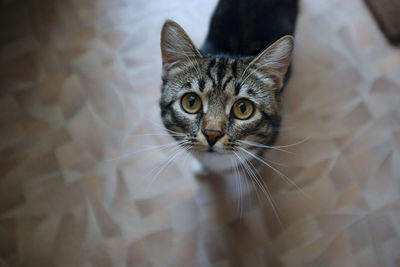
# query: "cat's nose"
212, 136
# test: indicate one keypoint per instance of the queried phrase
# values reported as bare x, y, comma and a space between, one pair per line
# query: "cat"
223, 102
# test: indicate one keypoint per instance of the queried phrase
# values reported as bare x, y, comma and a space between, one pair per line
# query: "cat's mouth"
212, 150
218, 148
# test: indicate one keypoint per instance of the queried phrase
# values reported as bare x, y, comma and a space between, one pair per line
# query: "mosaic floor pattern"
80, 83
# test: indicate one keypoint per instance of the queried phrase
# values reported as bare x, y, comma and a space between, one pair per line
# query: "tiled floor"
79, 86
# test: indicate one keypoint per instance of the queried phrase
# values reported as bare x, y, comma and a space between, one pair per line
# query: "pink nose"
212, 136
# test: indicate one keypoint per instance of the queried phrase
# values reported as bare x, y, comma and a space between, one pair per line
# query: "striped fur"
219, 81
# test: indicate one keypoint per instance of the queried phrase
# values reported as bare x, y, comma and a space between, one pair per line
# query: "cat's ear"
176, 46
274, 60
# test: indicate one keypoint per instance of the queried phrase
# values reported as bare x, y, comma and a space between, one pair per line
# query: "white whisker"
285, 178
244, 187
294, 144
248, 171
263, 146
187, 155
170, 159
261, 184
275, 147
158, 147
159, 134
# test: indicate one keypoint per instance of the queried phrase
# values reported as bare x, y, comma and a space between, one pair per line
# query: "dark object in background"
387, 13
247, 27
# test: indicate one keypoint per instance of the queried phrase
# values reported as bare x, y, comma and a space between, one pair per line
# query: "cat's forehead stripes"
229, 79
221, 72
209, 68
234, 68
201, 83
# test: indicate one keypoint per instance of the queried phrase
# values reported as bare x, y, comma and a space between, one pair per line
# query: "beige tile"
136, 253
384, 85
69, 246
8, 237
185, 248
10, 110
351, 199
338, 252
302, 232
334, 223
50, 88
20, 69
382, 188
381, 229
341, 174
106, 223
84, 129
34, 128
358, 162
11, 135
115, 39
159, 245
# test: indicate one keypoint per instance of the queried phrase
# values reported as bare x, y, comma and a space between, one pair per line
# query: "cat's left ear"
274, 60
176, 46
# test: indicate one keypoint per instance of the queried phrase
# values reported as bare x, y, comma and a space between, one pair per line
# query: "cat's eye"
191, 103
243, 109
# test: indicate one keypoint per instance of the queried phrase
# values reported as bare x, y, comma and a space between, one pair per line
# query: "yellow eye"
243, 109
191, 103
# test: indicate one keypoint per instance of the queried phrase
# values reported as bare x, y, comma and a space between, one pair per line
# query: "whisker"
187, 155
248, 171
275, 147
285, 178
160, 167
243, 187
170, 159
159, 134
294, 144
263, 146
158, 147
274, 162
261, 184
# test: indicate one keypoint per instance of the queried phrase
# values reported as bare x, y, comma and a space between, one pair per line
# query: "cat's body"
224, 102
246, 27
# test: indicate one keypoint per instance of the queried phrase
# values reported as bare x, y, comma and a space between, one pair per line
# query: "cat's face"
216, 104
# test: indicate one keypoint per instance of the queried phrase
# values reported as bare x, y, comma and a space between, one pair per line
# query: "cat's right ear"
176, 46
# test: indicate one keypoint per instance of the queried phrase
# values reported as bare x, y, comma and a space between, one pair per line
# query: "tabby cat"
223, 101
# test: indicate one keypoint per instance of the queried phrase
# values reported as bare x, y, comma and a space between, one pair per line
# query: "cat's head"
216, 103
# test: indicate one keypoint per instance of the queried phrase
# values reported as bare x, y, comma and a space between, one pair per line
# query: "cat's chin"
205, 163
212, 151
198, 168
